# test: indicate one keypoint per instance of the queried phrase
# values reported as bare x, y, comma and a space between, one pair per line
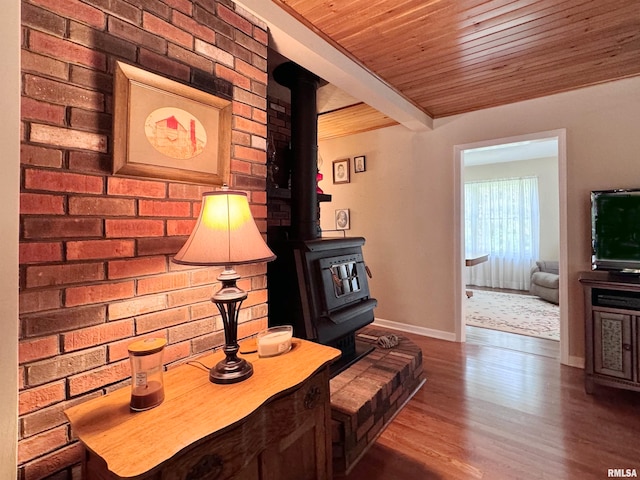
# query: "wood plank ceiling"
456, 56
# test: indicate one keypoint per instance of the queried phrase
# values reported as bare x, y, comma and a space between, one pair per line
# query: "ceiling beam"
294, 40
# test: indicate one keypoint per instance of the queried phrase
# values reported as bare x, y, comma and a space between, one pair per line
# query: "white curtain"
502, 218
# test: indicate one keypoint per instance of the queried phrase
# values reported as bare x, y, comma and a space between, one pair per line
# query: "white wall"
546, 170
9, 199
404, 203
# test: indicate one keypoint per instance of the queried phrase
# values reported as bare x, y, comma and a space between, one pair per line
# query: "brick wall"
279, 134
95, 249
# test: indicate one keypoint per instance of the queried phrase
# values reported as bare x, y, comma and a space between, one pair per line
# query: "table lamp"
226, 234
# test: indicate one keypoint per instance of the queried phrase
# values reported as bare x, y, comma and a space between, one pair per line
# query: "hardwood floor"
492, 412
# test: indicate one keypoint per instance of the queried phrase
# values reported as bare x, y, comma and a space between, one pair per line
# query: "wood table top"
132, 443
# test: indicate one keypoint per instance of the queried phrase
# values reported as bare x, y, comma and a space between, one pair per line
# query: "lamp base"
230, 371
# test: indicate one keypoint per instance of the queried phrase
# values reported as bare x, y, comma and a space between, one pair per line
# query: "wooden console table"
274, 425
473, 260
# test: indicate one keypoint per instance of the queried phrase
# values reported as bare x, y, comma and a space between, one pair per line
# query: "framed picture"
341, 170
343, 219
164, 129
359, 164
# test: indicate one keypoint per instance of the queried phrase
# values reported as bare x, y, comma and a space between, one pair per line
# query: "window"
502, 219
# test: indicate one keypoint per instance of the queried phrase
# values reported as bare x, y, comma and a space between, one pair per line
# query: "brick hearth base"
366, 396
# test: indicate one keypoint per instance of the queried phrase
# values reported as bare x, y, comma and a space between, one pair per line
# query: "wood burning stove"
318, 285
321, 287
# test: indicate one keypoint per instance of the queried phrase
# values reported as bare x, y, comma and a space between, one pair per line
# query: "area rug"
508, 312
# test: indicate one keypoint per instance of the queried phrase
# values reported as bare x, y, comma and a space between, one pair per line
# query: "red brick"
97, 335
159, 208
185, 6
153, 24
249, 98
42, 111
105, 292
252, 72
48, 180
239, 166
48, 275
33, 62
163, 283
39, 397
46, 442
62, 49
89, 162
101, 206
33, 203
36, 228
51, 91
85, 382
259, 116
232, 76
120, 349
160, 63
190, 330
137, 306
185, 191
261, 36
40, 156
39, 300
62, 320
199, 30
250, 126
240, 138
136, 35
246, 329
214, 53
177, 351
166, 318
78, 11
133, 228
68, 138
259, 197
92, 249
136, 188
90, 120
40, 19
234, 19
47, 465
187, 56
251, 154
160, 245
137, 267
180, 227
40, 252
189, 296
37, 349
242, 109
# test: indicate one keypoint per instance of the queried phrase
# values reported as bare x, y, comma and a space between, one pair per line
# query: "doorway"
502, 149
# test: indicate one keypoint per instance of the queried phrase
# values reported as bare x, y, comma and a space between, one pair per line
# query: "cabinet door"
612, 345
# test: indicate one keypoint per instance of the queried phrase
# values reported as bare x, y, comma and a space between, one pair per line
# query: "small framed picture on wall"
359, 164
341, 170
343, 219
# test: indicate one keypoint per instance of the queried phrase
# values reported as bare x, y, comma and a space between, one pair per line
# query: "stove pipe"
304, 148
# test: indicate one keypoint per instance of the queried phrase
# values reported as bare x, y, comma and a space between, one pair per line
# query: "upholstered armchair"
545, 280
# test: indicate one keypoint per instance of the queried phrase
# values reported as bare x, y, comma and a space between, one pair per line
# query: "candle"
274, 343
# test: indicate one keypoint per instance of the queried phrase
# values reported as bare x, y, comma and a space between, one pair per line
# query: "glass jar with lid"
147, 386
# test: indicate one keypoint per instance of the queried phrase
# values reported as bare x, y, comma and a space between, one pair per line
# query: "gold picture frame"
166, 130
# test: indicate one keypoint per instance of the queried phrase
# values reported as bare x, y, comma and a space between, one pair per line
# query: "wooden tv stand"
274, 425
612, 330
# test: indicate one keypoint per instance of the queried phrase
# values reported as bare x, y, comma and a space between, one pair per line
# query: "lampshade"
225, 234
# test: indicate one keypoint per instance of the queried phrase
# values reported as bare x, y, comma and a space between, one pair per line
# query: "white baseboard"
577, 362
425, 332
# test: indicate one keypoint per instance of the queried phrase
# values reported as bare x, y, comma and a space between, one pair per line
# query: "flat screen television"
615, 230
